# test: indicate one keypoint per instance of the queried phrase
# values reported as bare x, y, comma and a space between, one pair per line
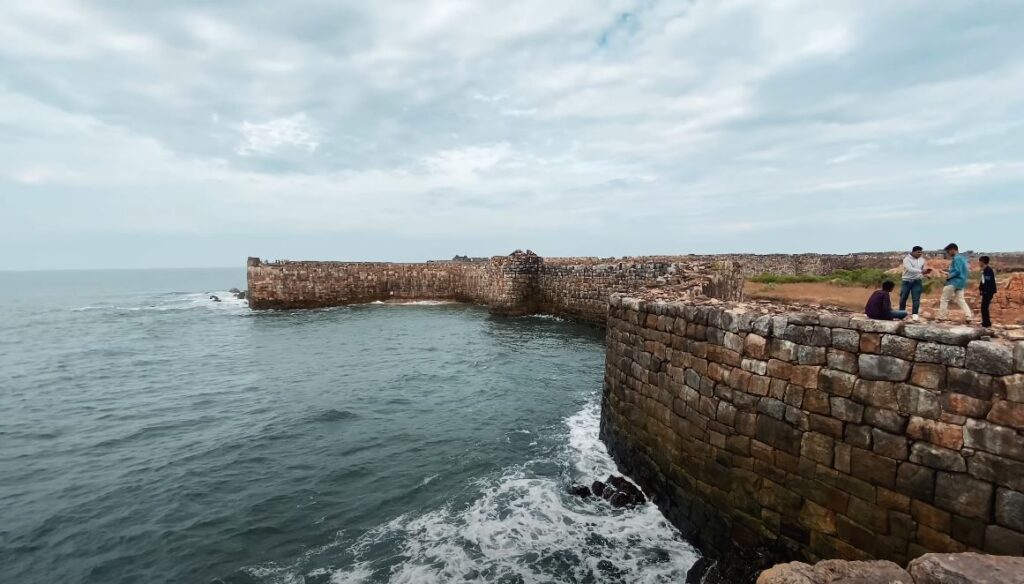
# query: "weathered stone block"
836, 383
897, 346
842, 458
870, 342
817, 447
876, 326
916, 481
967, 382
808, 355
825, 425
992, 438
1007, 413
917, 401
963, 495
759, 385
875, 469
817, 336
772, 407
1018, 357
881, 394
883, 367
859, 436
846, 340
888, 420
931, 516
953, 335
778, 434
846, 410
996, 469
991, 357
794, 395
1009, 509
889, 445
964, 405
928, 375
842, 360
999, 540
941, 433
836, 571
965, 568
805, 375
754, 366
1013, 387
941, 354
782, 350
816, 401
755, 346
937, 457
733, 342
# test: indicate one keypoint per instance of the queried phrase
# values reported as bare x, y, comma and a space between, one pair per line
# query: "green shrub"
859, 278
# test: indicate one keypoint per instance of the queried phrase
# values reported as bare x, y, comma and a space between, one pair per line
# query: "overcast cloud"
194, 133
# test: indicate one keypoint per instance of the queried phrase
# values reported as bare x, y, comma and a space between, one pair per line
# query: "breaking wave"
521, 527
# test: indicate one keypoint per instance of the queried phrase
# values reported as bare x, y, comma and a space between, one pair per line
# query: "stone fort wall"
520, 283
817, 435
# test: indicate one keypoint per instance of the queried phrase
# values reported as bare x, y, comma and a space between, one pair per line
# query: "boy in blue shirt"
956, 281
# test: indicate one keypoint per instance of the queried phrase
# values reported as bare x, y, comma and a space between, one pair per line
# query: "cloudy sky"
160, 133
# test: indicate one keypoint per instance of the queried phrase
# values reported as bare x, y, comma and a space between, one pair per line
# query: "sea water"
151, 434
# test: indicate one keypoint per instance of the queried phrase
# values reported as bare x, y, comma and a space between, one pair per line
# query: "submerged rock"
240, 295
214, 298
234, 290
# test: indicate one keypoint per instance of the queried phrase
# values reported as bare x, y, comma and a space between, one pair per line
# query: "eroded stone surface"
836, 572
966, 568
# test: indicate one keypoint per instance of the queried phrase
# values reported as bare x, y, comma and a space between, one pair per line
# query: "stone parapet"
816, 435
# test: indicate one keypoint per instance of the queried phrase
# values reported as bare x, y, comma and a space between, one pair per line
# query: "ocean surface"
149, 434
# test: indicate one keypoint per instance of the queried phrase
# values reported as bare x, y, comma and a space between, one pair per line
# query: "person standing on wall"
987, 290
912, 284
956, 281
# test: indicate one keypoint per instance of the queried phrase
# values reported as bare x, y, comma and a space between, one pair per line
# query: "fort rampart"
520, 283
817, 435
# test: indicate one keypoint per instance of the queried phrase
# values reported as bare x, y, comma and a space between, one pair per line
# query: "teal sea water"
148, 434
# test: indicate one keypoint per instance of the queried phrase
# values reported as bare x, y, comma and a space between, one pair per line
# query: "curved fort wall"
520, 283
817, 435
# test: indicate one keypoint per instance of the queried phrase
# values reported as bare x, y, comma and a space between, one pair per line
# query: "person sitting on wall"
879, 306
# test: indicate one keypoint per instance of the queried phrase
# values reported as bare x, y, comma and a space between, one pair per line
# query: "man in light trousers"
956, 281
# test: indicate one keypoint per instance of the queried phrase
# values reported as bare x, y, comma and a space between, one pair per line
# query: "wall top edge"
773, 317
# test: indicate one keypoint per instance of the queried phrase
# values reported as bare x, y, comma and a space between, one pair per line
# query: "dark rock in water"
582, 491
214, 298
240, 295
234, 290
618, 491
631, 491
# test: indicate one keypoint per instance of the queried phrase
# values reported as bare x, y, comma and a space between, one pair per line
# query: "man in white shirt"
912, 284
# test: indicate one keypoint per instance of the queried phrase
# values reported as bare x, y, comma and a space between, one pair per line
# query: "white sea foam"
526, 528
178, 302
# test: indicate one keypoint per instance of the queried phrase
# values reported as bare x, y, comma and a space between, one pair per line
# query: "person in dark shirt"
879, 306
987, 289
